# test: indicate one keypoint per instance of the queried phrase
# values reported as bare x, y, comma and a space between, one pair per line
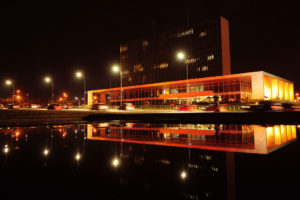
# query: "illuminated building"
153, 59
244, 87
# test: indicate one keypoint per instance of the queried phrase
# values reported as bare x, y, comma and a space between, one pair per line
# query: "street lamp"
181, 56
80, 75
9, 82
116, 69
48, 80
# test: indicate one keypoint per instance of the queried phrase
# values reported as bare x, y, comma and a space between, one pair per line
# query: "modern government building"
151, 74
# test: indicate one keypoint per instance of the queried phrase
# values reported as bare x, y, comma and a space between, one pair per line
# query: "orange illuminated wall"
286, 91
274, 88
267, 88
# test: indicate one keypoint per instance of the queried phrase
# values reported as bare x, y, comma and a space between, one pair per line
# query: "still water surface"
119, 160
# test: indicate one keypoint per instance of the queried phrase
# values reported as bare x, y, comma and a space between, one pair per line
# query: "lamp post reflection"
183, 175
115, 162
6, 149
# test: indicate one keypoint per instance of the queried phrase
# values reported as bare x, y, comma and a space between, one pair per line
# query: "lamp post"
115, 69
181, 56
80, 75
48, 80
9, 82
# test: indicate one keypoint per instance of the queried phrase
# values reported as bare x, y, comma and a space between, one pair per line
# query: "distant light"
76, 98
6, 149
116, 68
77, 156
116, 162
65, 95
180, 55
18, 91
8, 82
183, 175
79, 74
46, 152
47, 79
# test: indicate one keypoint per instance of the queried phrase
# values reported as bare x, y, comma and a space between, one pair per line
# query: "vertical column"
274, 89
286, 91
90, 98
280, 90
291, 90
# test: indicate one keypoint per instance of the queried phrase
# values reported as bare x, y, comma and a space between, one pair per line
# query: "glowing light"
115, 162
95, 97
116, 68
77, 156
79, 74
8, 82
180, 56
65, 95
6, 149
18, 91
46, 152
17, 133
47, 79
183, 175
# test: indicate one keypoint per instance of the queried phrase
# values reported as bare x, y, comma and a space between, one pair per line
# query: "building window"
210, 57
126, 72
123, 48
185, 33
163, 65
202, 34
198, 69
138, 68
204, 68
192, 60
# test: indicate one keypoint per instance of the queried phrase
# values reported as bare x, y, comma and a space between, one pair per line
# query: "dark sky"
56, 38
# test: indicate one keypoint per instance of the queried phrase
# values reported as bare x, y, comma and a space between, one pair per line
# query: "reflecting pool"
131, 160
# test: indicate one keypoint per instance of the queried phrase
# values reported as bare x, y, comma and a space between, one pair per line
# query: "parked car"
264, 106
13, 106
186, 107
99, 106
55, 107
127, 106
34, 106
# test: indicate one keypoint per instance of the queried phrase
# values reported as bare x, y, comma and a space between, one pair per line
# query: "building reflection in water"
219, 137
203, 170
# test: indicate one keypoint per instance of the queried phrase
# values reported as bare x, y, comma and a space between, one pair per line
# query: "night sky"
56, 38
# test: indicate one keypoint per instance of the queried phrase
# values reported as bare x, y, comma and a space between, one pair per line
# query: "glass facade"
227, 90
153, 59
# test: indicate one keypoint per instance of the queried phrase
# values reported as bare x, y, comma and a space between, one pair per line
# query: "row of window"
218, 87
145, 43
